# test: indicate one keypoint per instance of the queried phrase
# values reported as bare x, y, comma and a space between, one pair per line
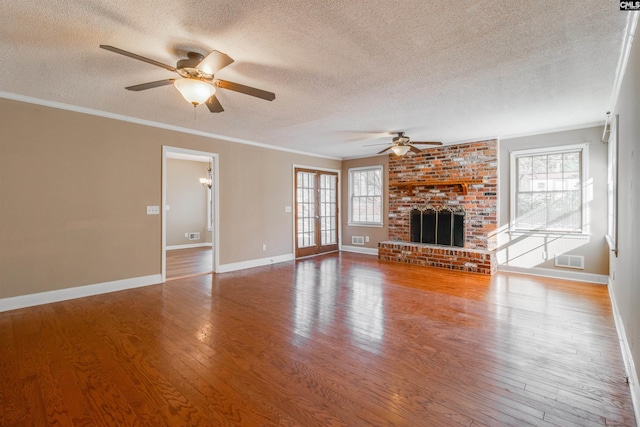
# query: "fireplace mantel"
462, 184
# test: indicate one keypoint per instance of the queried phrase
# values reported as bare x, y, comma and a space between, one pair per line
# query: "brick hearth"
473, 260
464, 175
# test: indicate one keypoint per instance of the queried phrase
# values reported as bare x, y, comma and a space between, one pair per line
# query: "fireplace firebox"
438, 226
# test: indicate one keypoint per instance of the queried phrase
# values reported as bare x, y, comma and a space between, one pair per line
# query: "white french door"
316, 212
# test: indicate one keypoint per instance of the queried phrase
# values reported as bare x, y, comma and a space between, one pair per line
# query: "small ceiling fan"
401, 144
196, 82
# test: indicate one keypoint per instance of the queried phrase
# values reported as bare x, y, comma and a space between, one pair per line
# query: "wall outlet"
186, 235
366, 239
153, 210
264, 246
287, 209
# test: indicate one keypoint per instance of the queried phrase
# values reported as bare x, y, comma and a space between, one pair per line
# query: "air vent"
357, 240
194, 236
570, 261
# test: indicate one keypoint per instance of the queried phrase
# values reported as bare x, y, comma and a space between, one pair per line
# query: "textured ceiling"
342, 71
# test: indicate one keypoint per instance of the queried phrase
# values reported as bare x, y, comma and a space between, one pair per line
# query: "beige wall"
187, 200
376, 234
525, 250
74, 190
625, 268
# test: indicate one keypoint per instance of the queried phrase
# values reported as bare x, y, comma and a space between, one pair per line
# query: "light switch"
287, 209
153, 210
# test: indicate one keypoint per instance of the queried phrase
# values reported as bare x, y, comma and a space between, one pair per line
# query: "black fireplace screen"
439, 227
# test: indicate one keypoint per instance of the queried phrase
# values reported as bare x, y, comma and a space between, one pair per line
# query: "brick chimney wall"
476, 160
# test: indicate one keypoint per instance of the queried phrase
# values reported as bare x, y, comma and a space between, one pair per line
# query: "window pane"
571, 162
525, 183
555, 163
538, 212
555, 210
523, 207
555, 183
540, 165
524, 165
571, 181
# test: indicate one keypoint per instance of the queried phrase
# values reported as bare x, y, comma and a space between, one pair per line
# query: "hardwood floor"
336, 340
189, 262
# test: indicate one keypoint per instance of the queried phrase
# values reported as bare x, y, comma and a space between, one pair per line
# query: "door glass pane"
306, 209
328, 203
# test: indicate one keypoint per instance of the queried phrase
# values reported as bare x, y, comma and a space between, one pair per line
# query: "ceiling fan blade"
415, 149
359, 135
213, 62
247, 90
426, 143
214, 105
373, 145
386, 149
138, 57
150, 85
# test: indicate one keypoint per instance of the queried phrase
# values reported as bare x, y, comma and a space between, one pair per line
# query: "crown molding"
143, 122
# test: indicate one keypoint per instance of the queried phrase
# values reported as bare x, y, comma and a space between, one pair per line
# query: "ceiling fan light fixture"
194, 91
400, 150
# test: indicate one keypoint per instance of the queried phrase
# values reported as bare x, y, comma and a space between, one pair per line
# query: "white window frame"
584, 161
361, 169
612, 186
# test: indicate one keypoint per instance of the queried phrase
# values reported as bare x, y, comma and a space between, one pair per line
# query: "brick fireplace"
457, 177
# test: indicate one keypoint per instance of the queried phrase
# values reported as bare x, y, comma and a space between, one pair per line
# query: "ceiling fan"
401, 145
196, 82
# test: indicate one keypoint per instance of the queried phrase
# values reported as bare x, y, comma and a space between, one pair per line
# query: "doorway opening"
190, 238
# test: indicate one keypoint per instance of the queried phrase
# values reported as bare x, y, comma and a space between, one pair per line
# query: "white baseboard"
359, 250
632, 374
189, 246
578, 276
22, 301
234, 266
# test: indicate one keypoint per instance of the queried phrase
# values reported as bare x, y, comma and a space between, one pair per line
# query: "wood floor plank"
182, 263
340, 339
14, 409
101, 395
38, 361
74, 400
26, 329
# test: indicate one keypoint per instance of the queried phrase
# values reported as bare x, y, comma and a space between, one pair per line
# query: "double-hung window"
365, 196
547, 189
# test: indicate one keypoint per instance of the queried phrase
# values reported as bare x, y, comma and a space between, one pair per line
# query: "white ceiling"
342, 71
